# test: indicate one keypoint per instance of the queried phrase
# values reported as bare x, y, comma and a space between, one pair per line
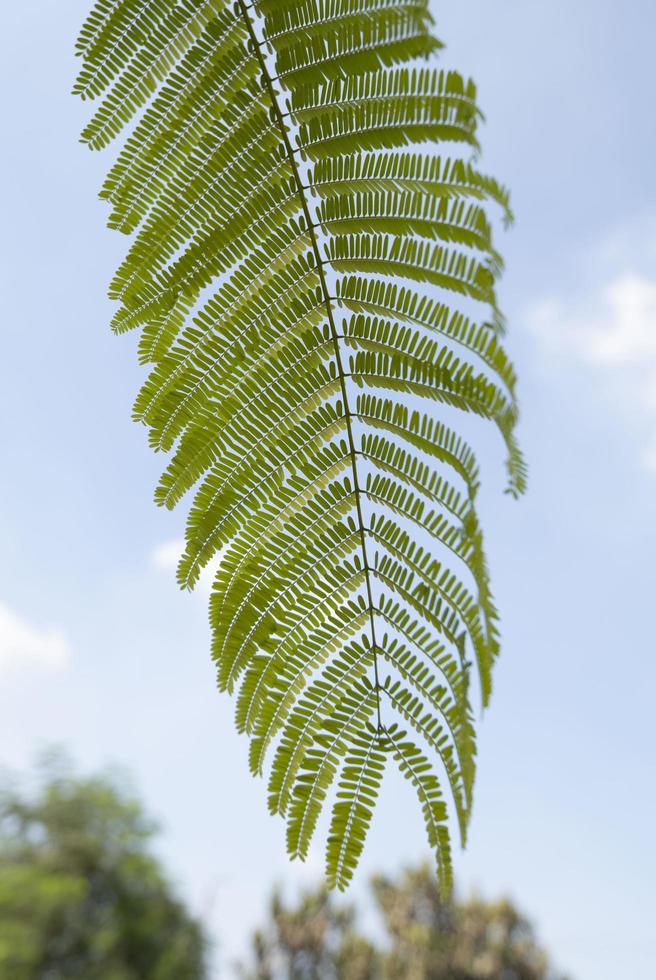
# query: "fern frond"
417, 769
313, 276
362, 775
434, 175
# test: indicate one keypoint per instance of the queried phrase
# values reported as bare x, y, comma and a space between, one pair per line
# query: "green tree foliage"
80, 894
316, 938
312, 272
425, 938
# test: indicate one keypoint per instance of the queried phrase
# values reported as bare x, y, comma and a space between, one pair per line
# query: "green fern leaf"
312, 272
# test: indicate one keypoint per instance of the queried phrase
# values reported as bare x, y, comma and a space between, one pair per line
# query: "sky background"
99, 651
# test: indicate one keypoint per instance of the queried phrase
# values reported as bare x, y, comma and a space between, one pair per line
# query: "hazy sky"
98, 650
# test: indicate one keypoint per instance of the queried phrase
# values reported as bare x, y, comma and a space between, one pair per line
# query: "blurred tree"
472, 940
80, 894
425, 938
315, 939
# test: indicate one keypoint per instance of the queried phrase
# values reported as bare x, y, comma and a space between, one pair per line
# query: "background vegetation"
423, 938
83, 896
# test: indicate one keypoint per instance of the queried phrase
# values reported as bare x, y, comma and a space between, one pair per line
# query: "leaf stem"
257, 48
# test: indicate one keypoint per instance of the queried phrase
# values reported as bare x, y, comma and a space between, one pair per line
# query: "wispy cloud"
25, 646
614, 332
165, 558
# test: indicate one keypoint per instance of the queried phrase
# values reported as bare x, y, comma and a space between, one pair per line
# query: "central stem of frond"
348, 415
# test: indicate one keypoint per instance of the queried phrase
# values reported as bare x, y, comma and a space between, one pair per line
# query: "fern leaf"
360, 782
312, 272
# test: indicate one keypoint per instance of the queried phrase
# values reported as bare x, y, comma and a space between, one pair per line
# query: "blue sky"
98, 650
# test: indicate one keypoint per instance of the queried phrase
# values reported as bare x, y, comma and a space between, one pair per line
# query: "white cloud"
165, 558
615, 334
649, 458
23, 645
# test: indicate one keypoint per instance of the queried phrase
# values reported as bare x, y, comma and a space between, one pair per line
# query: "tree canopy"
81, 896
424, 938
